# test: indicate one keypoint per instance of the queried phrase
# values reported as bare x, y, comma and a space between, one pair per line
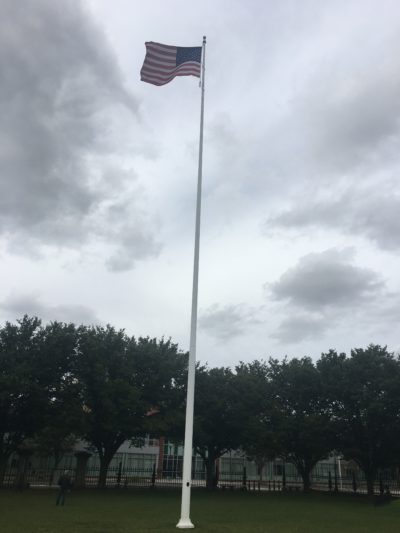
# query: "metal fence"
125, 478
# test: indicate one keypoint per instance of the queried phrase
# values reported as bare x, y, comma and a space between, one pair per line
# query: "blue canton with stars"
186, 53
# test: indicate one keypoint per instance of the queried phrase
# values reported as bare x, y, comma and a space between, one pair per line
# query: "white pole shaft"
185, 522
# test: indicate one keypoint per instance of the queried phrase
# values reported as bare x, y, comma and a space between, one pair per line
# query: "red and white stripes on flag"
163, 62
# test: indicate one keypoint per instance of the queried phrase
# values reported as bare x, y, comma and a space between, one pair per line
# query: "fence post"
284, 477
244, 481
153, 477
330, 481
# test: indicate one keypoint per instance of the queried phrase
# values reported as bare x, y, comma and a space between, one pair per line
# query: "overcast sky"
300, 244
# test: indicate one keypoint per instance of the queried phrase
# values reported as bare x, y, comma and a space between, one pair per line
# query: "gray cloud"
301, 327
226, 322
129, 232
136, 243
336, 119
62, 98
325, 290
326, 280
352, 119
15, 306
370, 213
384, 316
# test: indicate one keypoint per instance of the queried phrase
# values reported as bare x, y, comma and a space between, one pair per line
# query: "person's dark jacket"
64, 482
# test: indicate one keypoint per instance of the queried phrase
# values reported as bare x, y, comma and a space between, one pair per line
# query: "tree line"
61, 382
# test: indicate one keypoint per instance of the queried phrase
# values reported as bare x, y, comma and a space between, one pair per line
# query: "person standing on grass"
65, 484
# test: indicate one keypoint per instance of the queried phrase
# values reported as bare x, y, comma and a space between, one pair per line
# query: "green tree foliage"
217, 423
364, 394
161, 370
39, 401
255, 401
127, 387
62, 420
23, 397
59, 383
301, 419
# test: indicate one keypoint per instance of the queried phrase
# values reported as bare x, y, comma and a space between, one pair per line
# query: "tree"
300, 418
22, 395
216, 423
63, 414
126, 387
161, 374
254, 398
364, 393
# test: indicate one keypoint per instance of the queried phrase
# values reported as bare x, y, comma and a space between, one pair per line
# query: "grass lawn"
34, 511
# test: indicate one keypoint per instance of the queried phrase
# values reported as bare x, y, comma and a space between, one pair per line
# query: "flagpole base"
184, 523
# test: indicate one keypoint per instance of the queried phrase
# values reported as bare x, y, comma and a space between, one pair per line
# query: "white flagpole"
185, 522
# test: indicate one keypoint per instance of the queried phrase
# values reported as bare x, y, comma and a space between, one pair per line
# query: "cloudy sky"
301, 200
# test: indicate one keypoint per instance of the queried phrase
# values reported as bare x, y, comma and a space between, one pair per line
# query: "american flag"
163, 62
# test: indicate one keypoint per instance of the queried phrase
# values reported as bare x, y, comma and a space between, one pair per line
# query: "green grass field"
34, 511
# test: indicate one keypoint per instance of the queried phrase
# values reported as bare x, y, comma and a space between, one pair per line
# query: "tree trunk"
260, 467
82, 458
20, 480
305, 476
210, 473
304, 468
3, 466
4, 457
57, 459
104, 464
306, 481
370, 479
